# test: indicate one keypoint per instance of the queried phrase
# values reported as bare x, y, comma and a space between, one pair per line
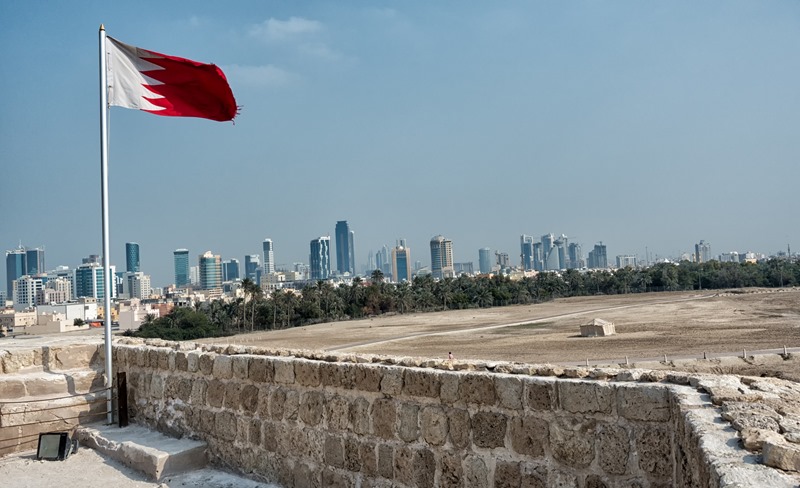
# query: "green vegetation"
322, 302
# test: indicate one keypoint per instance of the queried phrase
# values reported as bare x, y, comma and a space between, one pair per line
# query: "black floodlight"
54, 446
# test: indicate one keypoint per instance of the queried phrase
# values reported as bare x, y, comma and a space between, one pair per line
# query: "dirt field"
680, 325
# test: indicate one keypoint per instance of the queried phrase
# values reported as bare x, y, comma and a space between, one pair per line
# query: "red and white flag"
166, 85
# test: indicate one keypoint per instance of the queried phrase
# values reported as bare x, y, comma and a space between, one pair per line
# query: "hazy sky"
636, 123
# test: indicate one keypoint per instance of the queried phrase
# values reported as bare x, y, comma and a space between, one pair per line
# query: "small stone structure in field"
598, 328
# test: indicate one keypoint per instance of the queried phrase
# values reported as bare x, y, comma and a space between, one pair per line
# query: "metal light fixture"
55, 446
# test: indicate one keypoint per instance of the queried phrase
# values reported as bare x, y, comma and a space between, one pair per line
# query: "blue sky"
639, 124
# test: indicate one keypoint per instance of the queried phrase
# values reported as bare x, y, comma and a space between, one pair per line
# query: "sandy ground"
88, 468
678, 324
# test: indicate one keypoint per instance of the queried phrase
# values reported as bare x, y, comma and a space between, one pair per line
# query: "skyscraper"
320, 258
345, 254
485, 260
181, 259
15, 267
251, 264
702, 252
230, 270
526, 251
88, 281
598, 257
210, 271
34, 262
132, 257
575, 256
442, 257
401, 264
269, 256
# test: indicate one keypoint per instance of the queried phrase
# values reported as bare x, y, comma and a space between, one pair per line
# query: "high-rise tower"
401, 264
485, 260
269, 257
345, 253
251, 264
15, 267
132, 257
34, 261
320, 258
526, 251
210, 271
442, 257
181, 259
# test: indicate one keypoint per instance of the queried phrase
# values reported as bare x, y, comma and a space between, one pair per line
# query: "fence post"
122, 399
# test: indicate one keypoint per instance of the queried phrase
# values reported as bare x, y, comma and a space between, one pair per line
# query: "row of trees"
322, 302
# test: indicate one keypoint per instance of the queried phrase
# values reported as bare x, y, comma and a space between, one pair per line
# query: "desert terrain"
680, 325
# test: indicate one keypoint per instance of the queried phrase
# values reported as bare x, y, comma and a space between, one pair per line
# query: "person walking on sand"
450, 356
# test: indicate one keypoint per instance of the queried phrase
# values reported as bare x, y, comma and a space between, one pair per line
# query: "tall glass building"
251, 264
210, 271
485, 260
401, 264
526, 251
320, 258
345, 254
132, 257
442, 258
34, 262
181, 257
230, 270
15, 267
269, 256
88, 281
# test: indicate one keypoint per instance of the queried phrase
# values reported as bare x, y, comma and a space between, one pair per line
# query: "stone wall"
322, 422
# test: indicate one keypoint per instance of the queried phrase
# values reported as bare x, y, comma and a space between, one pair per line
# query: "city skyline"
646, 126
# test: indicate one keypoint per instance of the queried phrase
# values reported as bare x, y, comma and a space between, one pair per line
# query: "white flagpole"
107, 278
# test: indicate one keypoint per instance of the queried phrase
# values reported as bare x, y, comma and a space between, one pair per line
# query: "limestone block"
559, 479
291, 405
534, 476
269, 436
152, 358
249, 398
614, 448
745, 415
643, 402
215, 393
207, 421
193, 361
76, 357
572, 441
305, 476
540, 394
386, 460
476, 474
529, 435
225, 425
163, 359
329, 374
408, 413
13, 361
51, 385
789, 424
11, 388
277, 400
254, 433
421, 383
477, 388
359, 416
404, 465
334, 451
367, 452
754, 439
181, 361
368, 378
336, 479
306, 373
352, 457
509, 391
448, 391
507, 474
198, 394
233, 395
433, 420
240, 365
384, 416
451, 473
458, 425
337, 413
488, 429
392, 381
781, 455
311, 407
259, 370
157, 386
585, 397
284, 370
654, 446
142, 355
206, 363
595, 481
223, 367
424, 468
